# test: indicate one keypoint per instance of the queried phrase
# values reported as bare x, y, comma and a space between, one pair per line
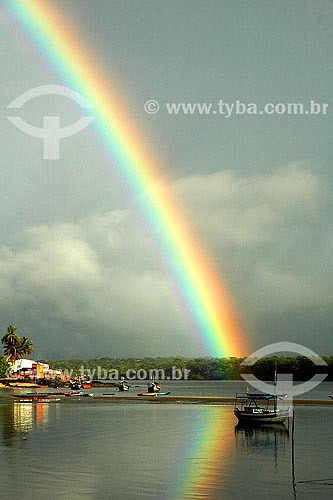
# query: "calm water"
122, 450
218, 388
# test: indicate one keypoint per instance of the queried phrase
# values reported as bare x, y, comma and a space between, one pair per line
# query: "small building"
30, 368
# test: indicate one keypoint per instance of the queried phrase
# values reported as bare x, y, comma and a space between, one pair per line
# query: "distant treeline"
301, 367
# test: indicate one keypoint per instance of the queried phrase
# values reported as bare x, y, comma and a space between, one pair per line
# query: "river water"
96, 449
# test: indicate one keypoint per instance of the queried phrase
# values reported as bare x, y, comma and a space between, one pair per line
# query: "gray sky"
79, 272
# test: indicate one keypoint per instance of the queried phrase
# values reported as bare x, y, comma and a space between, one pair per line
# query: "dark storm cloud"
79, 272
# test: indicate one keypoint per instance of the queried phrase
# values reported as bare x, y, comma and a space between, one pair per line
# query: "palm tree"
10, 333
11, 343
14, 346
26, 347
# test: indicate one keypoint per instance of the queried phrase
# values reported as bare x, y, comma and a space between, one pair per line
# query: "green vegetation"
4, 366
15, 347
301, 367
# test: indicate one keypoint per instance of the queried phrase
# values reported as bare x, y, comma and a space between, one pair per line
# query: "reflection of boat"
270, 437
259, 408
261, 430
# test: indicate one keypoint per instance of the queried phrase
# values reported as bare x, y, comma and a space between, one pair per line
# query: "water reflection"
210, 453
264, 438
130, 451
207, 458
19, 419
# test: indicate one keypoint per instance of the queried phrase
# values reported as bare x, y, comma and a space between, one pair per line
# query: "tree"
26, 347
14, 346
4, 366
11, 343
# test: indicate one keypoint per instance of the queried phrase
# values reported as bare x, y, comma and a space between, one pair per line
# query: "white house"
30, 367
23, 363
33, 368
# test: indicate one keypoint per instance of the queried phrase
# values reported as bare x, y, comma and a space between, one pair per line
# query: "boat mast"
275, 384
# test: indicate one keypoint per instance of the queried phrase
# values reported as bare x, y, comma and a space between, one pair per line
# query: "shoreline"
20, 385
199, 400
202, 399
205, 400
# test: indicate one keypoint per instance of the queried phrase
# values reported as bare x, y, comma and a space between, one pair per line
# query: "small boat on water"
123, 385
47, 394
80, 383
153, 393
259, 408
75, 385
80, 394
37, 401
34, 398
154, 387
32, 395
68, 393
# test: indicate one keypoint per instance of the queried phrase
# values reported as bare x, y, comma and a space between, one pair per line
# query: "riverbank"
182, 399
19, 385
202, 400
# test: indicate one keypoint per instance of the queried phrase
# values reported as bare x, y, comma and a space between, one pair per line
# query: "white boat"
259, 408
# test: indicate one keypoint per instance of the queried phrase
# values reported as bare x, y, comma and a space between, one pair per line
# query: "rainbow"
205, 457
198, 281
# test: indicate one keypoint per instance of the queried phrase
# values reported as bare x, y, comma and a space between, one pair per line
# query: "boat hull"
38, 401
249, 418
153, 393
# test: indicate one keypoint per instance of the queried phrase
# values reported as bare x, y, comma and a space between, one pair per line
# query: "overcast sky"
79, 274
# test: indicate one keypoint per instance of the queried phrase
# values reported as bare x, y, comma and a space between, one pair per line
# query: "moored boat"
259, 408
32, 395
123, 386
80, 383
34, 398
38, 401
66, 393
154, 386
153, 393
